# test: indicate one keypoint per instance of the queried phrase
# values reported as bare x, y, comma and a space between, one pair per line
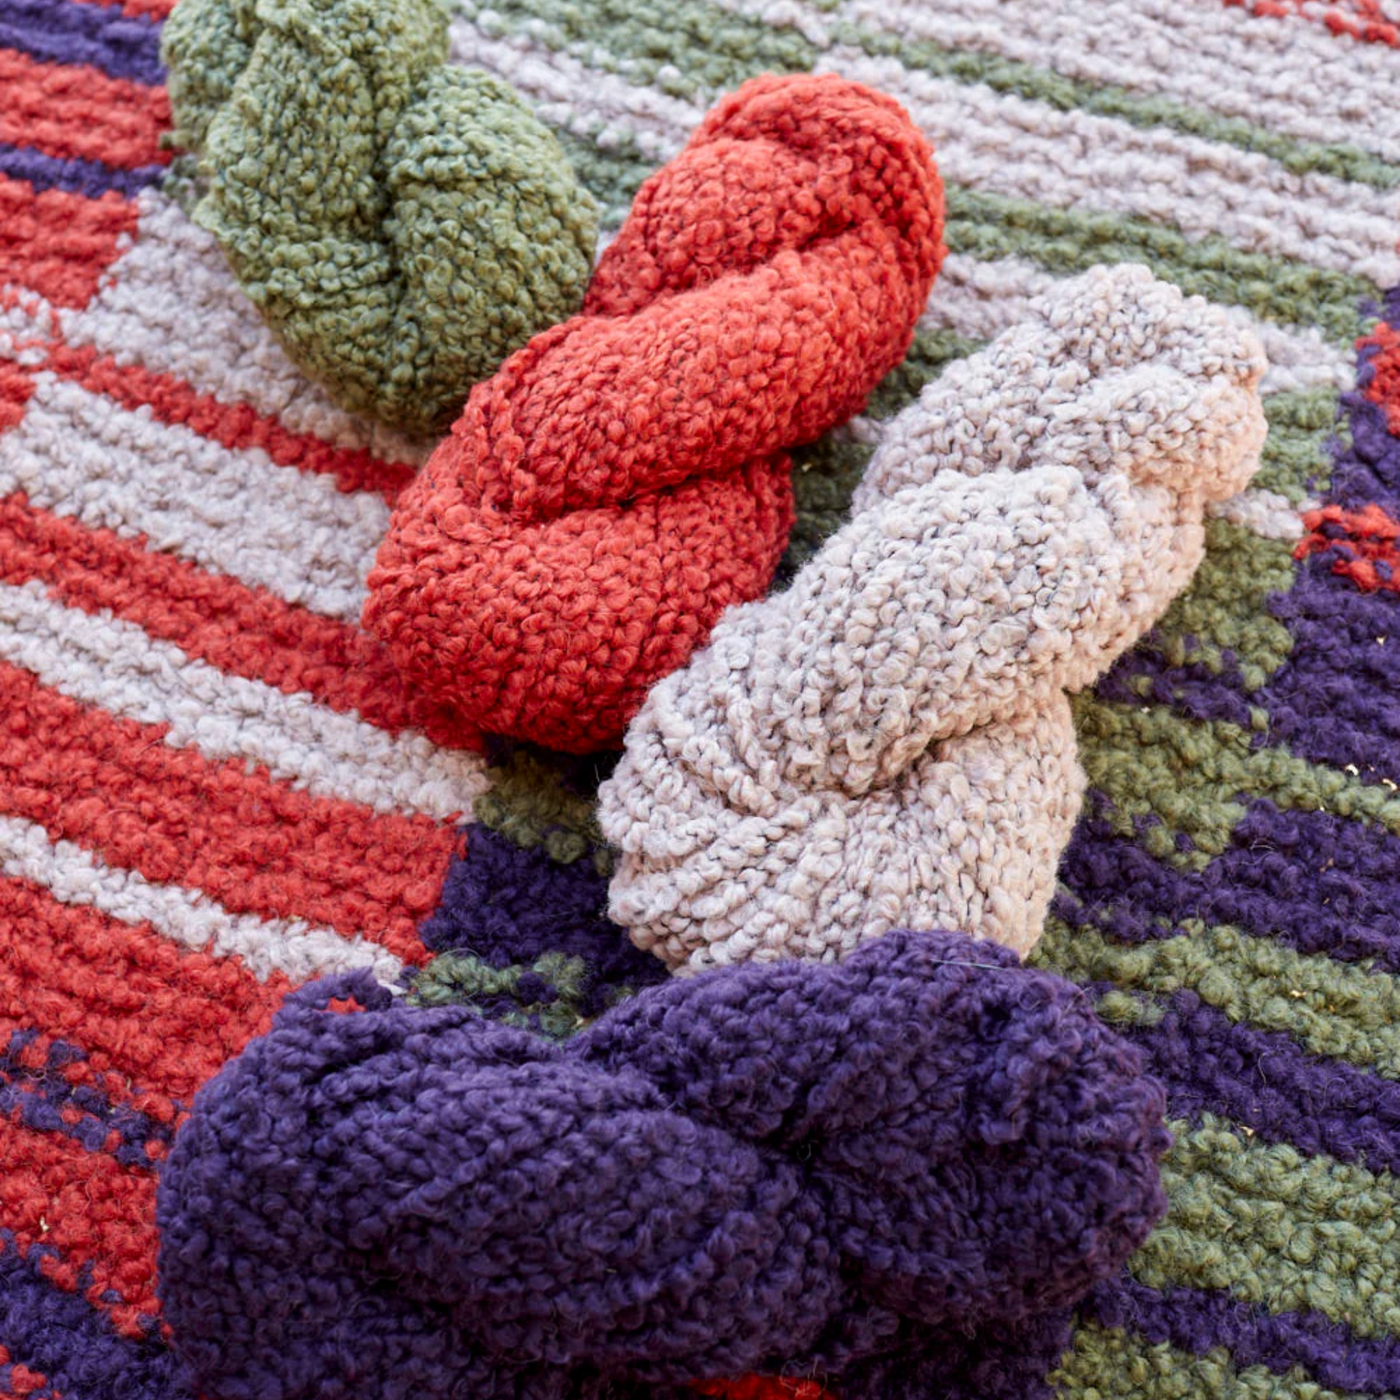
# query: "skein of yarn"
889, 743
396, 1202
402, 224
623, 478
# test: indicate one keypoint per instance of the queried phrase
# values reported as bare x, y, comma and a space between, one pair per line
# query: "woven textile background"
212, 787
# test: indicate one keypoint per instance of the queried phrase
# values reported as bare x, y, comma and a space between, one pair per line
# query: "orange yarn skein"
623, 477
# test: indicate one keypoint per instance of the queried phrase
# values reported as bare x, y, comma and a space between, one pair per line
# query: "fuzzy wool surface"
625, 477
888, 742
402, 223
215, 785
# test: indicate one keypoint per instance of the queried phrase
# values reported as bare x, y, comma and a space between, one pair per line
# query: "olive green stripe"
1109, 1363
1224, 612
1277, 1228
693, 49
1295, 461
1341, 161
690, 50
1188, 774
1065, 241
1340, 1010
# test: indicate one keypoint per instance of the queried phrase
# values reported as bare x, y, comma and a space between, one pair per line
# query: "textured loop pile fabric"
624, 478
889, 742
786, 1163
403, 224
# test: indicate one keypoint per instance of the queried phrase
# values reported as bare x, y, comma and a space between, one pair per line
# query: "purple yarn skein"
418, 1202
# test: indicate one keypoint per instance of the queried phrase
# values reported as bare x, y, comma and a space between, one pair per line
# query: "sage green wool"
401, 224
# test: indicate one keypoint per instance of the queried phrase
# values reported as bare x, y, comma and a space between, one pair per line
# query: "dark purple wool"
718, 1176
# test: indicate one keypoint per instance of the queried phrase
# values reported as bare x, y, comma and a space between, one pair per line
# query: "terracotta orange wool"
623, 478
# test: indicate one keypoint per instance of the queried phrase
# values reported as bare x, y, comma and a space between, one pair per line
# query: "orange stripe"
1370, 557
1367, 24
89, 1208
22, 1381
252, 843
77, 110
241, 630
59, 244
1384, 386
236, 426
137, 1004
154, 9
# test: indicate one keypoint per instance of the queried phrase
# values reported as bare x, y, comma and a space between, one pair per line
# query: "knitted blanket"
215, 786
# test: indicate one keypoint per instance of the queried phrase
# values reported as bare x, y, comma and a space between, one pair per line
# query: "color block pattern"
213, 786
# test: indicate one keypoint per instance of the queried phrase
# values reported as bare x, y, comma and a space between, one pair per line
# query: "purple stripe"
1193, 690
1266, 1081
505, 905
1336, 700
87, 177
66, 31
60, 1335
1196, 1320
46, 1101
1318, 882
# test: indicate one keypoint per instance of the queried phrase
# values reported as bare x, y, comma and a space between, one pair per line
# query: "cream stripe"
979, 300
79, 454
1028, 150
185, 916
101, 660
1286, 74
172, 305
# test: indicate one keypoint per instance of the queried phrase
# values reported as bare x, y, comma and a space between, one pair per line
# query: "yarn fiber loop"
780, 1161
402, 224
889, 742
623, 478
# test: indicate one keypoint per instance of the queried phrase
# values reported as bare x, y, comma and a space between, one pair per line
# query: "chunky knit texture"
402, 224
214, 784
768, 1163
623, 479
889, 742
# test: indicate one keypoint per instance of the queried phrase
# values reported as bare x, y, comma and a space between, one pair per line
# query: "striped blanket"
213, 786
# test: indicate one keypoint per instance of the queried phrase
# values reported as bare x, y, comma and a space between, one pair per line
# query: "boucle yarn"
770, 1162
623, 479
889, 742
403, 225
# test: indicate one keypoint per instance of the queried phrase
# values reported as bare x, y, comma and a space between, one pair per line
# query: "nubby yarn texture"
217, 786
624, 478
889, 742
403, 224
762, 1166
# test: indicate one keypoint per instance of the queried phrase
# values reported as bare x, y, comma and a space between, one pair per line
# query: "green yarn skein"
403, 225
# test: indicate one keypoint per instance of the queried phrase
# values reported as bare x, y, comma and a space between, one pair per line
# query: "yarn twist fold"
782, 1161
402, 225
622, 479
889, 742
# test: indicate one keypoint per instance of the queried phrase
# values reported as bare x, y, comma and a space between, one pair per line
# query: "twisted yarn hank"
402, 224
622, 479
889, 743
426, 1201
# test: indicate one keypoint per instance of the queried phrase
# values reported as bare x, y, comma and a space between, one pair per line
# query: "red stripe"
252, 843
233, 425
138, 1005
78, 110
241, 630
1366, 548
96, 1213
1367, 23
59, 244
155, 9
1384, 386
16, 386
21, 1382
